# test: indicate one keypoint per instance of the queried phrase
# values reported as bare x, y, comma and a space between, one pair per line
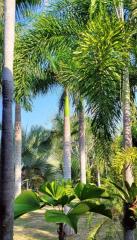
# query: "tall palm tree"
127, 135
50, 61
22, 7
127, 141
7, 161
106, 115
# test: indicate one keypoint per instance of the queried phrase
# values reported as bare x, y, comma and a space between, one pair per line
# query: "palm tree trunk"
127, 125
7, 161
67, 138
82, 149
129, 235
61, 234
98, 178
67, 154
18, 148
128, 170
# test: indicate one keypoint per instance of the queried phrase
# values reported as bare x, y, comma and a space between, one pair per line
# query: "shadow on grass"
33, 226
33, 234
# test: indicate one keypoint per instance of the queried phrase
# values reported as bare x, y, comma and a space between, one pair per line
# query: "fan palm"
35, 153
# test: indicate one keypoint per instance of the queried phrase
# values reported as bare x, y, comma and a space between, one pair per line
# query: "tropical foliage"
61, 194
88, 49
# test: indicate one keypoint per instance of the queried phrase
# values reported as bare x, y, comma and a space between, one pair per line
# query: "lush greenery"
87, 161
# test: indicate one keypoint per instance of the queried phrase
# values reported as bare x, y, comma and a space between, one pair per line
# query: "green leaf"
92, 191
133, 192
78, 190
53, 189
79, 209
88, 206
124, 195
87, 191
48, 200
57, 193
93, 233
26, 202
58, 216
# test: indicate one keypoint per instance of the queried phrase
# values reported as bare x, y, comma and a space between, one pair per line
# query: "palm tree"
22, 6
103, 74
104, 114
127, 135
96, 76
51, 79
7, 161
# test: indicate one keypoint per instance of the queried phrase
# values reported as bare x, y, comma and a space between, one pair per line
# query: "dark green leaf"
60, 217
26, 202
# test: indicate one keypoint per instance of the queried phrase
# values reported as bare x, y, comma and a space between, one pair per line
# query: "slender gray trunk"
98, 178
7, 161
129, 235
27, 184
128, 168
82, 149
67, 153
67, 139
127, 125
67, 149
18, 149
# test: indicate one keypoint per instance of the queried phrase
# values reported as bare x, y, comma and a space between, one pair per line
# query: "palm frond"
25, 7
96, 70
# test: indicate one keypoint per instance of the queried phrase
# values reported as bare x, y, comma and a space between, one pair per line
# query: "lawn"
32, 226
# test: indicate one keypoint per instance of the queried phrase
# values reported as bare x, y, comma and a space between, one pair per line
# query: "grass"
32, 226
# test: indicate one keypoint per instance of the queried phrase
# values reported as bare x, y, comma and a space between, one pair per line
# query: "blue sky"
44, 110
